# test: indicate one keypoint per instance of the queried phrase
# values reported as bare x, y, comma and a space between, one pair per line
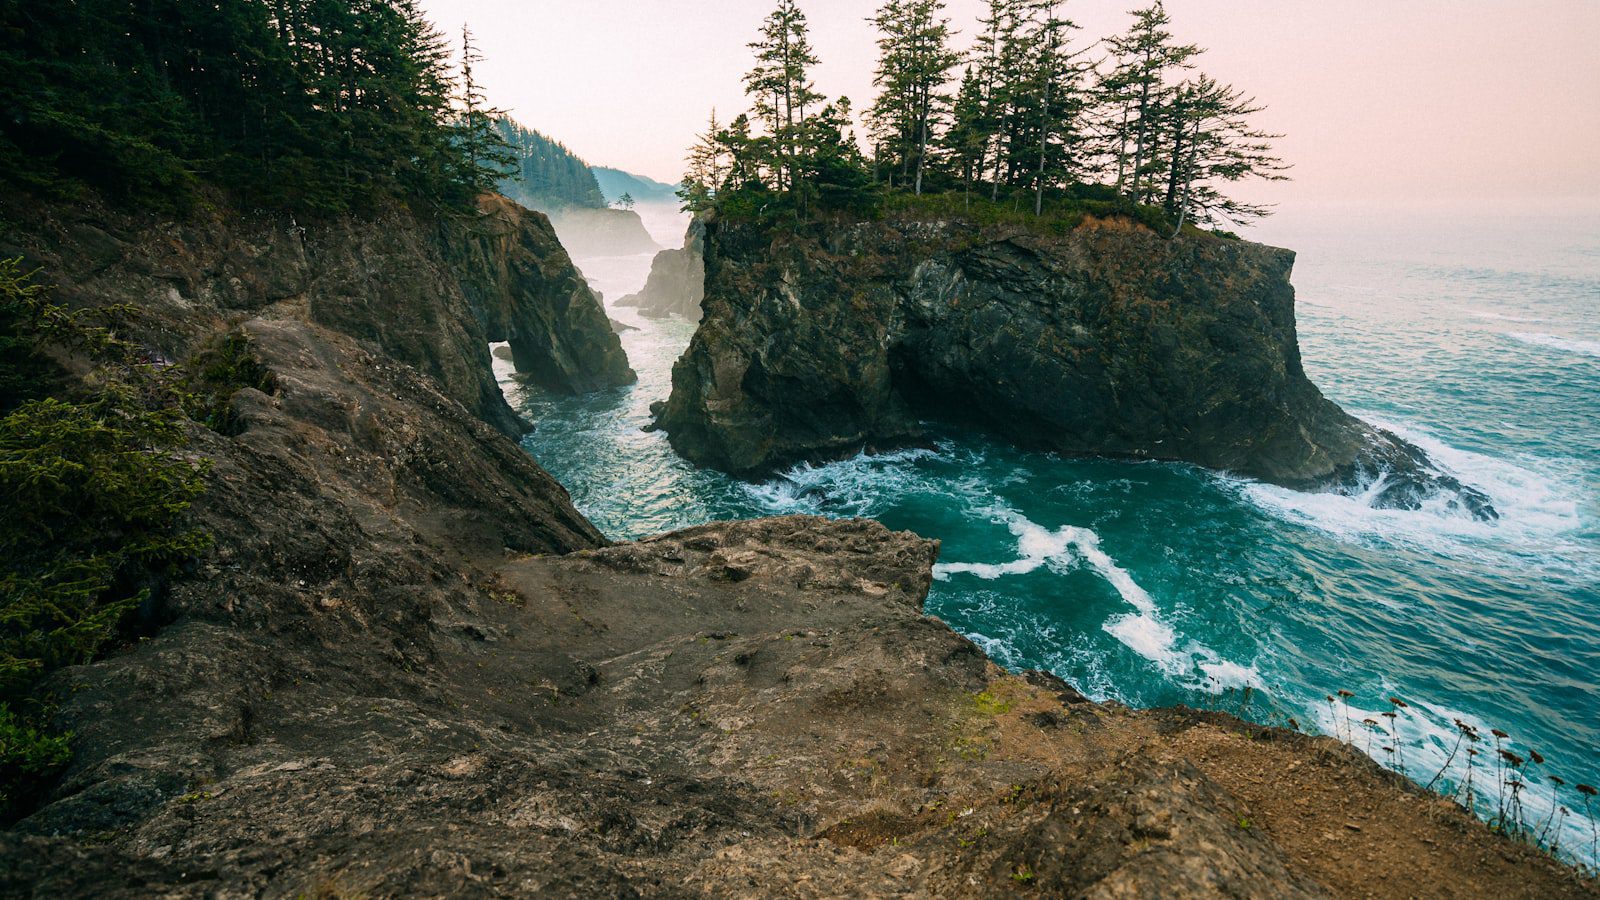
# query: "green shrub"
218, 372
95, 494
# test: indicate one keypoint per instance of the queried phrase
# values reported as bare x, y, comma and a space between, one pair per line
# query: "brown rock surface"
408, 667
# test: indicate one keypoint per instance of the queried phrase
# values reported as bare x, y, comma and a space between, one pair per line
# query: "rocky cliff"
408, 667
524, 289
1107, 340
431, 295
602, 232
677, 280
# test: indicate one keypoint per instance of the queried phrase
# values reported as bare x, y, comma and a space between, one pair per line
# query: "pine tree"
707, 171
780, 85
486, 154
914, 64
1004, 60
967, 138
1138, 83
1053, 101
1209, 141
832, 171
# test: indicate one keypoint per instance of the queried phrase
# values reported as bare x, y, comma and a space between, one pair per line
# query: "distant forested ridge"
614, 183
300, 104
545, 174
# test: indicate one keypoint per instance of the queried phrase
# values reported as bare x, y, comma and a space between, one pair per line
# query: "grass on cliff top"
1063, 210
95, 492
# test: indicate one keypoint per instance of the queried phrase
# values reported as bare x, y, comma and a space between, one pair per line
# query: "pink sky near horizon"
1423, 102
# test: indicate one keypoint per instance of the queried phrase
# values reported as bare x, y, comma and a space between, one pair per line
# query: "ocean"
1150, 583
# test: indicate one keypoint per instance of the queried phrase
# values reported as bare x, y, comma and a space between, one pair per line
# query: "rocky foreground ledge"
407, 666
1106, 340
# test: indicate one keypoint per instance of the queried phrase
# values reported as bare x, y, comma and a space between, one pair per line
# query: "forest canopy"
1028, 117
544, 174
297, 104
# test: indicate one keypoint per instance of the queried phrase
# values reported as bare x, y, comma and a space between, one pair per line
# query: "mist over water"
1160, 583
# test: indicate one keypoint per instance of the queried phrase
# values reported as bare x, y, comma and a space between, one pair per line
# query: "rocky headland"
1103, 339
602, 232
407, 666
677, 280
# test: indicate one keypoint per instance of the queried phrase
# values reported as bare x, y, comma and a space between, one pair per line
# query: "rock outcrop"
427, 295
358, 699
1105, 340
407, 666
677, 281
521, 282
602, 232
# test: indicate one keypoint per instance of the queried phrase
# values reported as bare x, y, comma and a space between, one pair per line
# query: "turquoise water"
1158, 583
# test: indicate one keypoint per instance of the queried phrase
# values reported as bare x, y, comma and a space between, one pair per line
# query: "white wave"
1037, 545
1556, 342
1538, 512
1143, 630
854, 486
1502, 317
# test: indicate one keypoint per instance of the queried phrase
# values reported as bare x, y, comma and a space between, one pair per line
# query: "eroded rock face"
379, 704
426, 294
677, 280
521, 282
407, 666
1106, 340
602, 232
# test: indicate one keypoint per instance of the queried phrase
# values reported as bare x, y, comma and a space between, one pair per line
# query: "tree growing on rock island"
487, 154
914, 64
780, 86
1033, 121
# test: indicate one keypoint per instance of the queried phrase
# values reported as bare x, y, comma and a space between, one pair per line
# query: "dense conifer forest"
544, 173
296, 104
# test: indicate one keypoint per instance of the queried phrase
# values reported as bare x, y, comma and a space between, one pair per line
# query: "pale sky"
1437, 102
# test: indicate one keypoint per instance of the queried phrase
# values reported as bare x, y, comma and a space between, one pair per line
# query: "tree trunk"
1174, 169
1144, 126
1044, 143
922, 144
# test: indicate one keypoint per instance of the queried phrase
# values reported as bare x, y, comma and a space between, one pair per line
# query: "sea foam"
1556, 342
1143, 630
1539, 514
1502, 317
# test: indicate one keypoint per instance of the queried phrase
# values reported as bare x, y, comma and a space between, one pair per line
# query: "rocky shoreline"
408, 666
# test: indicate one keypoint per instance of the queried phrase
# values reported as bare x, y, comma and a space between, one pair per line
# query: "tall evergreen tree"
1138, 86
1209, 142
914, 66
1004, 60
966, 141
487, 155
780, 84
707, 171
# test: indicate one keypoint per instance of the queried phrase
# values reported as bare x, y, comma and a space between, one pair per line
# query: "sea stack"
1103, 339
